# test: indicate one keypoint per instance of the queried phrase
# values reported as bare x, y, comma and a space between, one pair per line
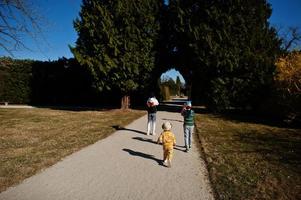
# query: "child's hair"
166, 126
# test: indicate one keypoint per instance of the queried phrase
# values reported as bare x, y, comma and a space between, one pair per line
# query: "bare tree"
291, 38
17, 19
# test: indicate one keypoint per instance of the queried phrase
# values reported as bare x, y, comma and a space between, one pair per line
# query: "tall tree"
229, 46
116, 42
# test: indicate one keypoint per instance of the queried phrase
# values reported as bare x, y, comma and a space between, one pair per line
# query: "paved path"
16, 106
125, 165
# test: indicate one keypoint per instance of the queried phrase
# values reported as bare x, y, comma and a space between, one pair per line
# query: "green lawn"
32, 139
249, 160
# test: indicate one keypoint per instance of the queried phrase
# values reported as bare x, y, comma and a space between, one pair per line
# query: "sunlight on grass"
33, 139
251, 161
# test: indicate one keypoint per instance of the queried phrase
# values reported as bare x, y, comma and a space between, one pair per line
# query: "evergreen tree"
230, 48
116, 43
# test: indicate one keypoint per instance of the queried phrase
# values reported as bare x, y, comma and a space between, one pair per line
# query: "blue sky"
286, 13
59, 31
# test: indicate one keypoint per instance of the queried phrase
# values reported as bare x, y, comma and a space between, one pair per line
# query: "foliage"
63, 81
165, 92
228, 42
116, 42
288, 77
170, 84
15, 77
219, 97
226, 51
179, 86
51, 82
287, 90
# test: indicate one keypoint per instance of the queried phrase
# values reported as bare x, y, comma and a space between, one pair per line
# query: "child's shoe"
165, 162
169, 164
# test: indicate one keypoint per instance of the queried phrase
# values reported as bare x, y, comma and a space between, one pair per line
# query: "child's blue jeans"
188, 130
151, 123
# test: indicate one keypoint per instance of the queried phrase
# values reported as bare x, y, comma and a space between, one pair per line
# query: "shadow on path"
143, 155
144, 140
176, 120
177, 147
117, 127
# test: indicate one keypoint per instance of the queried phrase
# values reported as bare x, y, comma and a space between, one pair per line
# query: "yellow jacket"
168, 139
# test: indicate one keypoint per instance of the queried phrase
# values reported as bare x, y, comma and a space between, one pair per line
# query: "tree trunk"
125, 102
189, 88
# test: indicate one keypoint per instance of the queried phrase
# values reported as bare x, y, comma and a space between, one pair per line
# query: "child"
188, 125
152, 104
167, 138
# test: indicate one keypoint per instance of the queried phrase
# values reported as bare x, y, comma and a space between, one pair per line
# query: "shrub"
15, 76
288, 85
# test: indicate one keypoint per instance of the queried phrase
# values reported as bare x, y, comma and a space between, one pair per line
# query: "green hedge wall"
62, 82
15, 77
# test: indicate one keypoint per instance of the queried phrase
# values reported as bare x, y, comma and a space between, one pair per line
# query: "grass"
33, 139
249, 160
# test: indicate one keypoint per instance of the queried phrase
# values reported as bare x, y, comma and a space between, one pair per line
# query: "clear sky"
59, 31
286, 13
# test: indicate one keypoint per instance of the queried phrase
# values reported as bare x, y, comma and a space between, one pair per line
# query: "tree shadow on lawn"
251, 117
280, 147
173, 108
177, 147
77, 107
143, 155
118, 128
178, 108
236, 115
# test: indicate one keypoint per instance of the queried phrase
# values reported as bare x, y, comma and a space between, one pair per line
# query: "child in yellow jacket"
167, 138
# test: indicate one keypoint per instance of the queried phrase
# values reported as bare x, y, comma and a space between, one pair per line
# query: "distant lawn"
251, 161
32, 139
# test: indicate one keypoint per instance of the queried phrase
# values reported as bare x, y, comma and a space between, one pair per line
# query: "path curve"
125, 165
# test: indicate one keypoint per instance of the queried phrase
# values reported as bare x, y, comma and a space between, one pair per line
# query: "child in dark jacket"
188, 125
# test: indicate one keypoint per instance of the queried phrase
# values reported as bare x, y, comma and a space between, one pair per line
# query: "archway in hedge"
172, 85
172, 60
